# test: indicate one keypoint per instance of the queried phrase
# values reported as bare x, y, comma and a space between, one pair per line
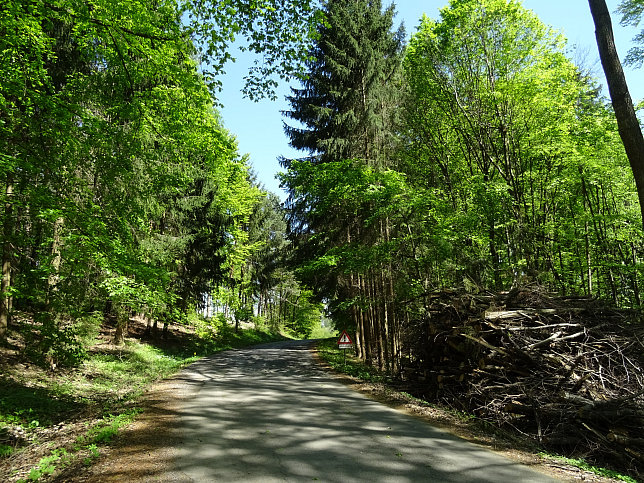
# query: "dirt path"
151, 448
145, 450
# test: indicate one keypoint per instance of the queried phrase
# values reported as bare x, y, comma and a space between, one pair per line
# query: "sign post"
344, 343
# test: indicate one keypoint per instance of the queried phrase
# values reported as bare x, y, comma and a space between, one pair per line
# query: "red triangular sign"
345, 339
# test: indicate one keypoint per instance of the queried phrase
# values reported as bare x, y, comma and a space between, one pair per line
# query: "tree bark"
122, 318
6, 259
628, 125
54, 276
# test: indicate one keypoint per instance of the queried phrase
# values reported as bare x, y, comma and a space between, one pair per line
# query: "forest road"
271, 413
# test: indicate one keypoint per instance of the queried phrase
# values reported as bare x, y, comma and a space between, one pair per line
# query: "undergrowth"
344, 361
581, 464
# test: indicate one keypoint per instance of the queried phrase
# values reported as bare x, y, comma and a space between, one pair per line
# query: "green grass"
105, 430
347, 363
583, 465
86, 447
213, 336
132, 368
5, 450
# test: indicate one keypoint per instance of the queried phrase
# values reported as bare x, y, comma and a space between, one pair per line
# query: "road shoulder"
460, 427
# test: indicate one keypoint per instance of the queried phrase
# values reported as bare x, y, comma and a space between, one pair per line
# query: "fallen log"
528, 313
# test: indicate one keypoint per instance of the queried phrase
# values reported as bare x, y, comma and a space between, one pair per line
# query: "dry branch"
571, 377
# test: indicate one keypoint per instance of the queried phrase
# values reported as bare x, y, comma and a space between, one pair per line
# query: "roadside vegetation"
465, 207
476, 159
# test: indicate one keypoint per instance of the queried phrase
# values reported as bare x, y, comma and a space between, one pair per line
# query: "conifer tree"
344, 114
343, 103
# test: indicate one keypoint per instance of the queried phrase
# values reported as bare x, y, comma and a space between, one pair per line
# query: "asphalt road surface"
270, 413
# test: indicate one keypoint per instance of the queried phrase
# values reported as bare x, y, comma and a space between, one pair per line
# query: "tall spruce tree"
342, 106
344, 110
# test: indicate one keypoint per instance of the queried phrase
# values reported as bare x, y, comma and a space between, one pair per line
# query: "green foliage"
305, 314
31, 407
260, 288
259, 322
346, 95
57, 340
490, 162
324, 330
512, 156
136, 365
94, 454
344, 194
57, 344
244, 313
124, 193
631, 11
218, 333
122, 188
104, 431
580, 463
276, 29
344, 361
100, 433
48, 464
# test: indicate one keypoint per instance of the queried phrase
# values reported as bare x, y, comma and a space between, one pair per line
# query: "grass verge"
344, 361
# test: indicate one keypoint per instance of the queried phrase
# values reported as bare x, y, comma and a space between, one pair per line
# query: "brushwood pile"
567, 371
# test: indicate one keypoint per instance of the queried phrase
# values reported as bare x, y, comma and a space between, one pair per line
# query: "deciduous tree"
629, 126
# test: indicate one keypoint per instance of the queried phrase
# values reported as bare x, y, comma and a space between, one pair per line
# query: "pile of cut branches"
565, 371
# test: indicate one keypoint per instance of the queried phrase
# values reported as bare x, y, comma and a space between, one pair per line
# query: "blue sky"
258, 126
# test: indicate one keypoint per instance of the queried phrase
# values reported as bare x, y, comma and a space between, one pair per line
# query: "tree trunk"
386, 330
367, 328
629, 127
240, 298
6, 259
636, 286
54, 276
359, 334
122, 318
588, 260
